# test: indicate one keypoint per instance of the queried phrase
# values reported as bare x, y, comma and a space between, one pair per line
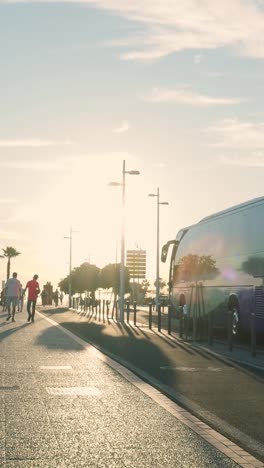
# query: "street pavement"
65, 404
218, 392
241, 353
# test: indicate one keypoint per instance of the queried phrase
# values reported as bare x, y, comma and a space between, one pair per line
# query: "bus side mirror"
164, 252
165, 248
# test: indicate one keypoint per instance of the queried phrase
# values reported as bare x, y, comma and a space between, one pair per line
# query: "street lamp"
157, 195
122, 268
70, 264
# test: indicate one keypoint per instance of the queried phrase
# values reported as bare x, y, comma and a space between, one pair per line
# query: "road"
228, 398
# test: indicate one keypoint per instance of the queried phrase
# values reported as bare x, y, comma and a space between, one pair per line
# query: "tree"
162, 283
83, 278
9, 252
64, 285
86, 278
110, 277
140, 290
195, 267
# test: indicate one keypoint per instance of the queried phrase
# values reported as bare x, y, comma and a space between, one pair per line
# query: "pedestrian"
56, 297
12, 294
3, 300
21, 300
44, 297
61, 297
33, 292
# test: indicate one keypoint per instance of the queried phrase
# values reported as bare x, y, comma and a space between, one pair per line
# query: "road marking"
192, 369
55, 367
73, 391
214, 438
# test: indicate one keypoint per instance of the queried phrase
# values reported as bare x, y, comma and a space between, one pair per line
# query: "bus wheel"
235, 320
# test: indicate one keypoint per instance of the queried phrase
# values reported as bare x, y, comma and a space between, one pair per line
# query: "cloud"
8, 201
256, 160
123, 127
32, 165
171, 26
188, 97
159, 165
8, 236
236, 134
31, 143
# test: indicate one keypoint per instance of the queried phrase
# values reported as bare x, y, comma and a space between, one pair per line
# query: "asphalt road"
227, 398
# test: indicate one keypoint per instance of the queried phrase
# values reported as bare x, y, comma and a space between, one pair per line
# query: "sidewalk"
65, 404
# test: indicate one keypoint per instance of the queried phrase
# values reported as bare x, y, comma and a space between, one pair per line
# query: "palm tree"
9, 252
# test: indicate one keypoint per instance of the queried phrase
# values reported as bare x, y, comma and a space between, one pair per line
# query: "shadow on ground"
131, 344
7, 329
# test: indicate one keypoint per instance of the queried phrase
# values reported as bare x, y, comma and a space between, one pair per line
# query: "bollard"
169, 319
253, 334
195, 310
181, 323
135, 313
128, 310
210, 317
230, 330
159, 317
107, 309
103, 309
194, 324
150, 315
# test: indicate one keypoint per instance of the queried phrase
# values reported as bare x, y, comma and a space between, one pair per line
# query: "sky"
174, 89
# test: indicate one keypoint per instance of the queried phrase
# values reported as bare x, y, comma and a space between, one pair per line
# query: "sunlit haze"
173, 88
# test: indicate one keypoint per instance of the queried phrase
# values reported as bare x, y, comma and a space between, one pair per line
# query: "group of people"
48, 298
14, 296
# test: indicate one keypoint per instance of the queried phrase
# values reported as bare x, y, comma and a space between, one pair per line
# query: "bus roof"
249, 203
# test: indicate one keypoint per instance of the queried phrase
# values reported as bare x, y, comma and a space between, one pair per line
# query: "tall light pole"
157, 195
70, 264
122, 267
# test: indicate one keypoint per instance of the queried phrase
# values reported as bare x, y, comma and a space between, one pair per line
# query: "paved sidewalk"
63, 404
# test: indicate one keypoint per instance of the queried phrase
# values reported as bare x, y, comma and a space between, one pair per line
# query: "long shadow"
164, 338
212, 391
9, 331
138, 351
52, 338
53, 310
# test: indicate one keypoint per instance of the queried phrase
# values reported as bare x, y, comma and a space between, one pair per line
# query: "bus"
217, 266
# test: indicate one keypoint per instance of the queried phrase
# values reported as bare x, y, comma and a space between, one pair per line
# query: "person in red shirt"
33, 292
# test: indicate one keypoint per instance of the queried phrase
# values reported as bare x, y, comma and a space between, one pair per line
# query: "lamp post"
157, 195
70, 264
122, 267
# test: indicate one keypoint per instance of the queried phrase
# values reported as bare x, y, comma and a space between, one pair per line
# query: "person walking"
61, 297
56, 297
33, 292
21, 300
12, 294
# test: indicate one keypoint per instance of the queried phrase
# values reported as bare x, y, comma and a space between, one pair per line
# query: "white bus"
221, 257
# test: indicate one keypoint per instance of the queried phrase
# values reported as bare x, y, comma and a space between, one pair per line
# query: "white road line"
74, 391
55, 367
214, 438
